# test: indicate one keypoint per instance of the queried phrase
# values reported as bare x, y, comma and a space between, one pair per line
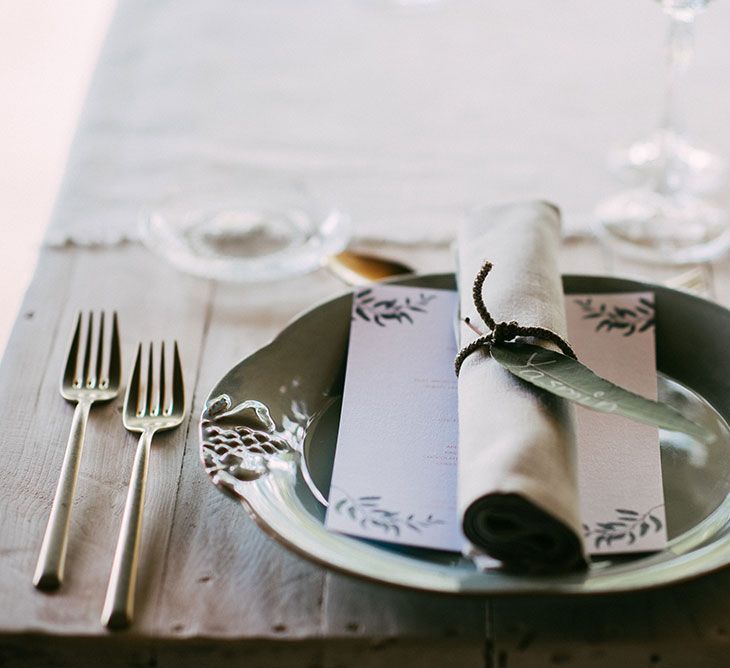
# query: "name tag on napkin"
395, 469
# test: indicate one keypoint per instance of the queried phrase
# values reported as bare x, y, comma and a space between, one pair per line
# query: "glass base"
663, 229
246, 242
643, 161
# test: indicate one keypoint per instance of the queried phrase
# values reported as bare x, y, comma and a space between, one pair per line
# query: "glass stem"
680, 53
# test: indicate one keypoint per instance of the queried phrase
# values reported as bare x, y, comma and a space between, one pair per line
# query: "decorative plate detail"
234, 453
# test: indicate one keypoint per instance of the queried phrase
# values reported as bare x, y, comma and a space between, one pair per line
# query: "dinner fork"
84, 383
147, 410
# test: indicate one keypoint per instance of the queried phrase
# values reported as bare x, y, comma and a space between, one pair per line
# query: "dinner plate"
269, 430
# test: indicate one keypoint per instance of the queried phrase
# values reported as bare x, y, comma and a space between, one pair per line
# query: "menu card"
619, 465
394, 474
395, 468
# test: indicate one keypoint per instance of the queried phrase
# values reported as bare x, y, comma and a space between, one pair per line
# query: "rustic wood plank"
29, 434
683, 625
444, 630
133, 652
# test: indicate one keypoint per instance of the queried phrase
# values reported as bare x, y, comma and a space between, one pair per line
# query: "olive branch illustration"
367, 511
630, 320
625, 527
370, 308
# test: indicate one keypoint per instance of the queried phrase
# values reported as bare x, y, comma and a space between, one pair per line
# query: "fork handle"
119, 602
52, 557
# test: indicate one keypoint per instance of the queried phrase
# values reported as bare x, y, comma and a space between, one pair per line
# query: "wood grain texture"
683, 625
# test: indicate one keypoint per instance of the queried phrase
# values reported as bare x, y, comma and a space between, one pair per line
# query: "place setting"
455, 349
501, 429
498, 430
351, 440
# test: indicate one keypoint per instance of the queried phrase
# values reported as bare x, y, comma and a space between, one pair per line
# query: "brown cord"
503, 331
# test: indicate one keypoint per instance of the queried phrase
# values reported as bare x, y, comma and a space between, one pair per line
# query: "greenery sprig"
629, 320
370, 308
367, 511
628, 525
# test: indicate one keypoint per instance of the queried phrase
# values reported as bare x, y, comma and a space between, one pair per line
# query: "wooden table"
213, 588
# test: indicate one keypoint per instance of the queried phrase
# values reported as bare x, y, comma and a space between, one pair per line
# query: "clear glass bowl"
245, 229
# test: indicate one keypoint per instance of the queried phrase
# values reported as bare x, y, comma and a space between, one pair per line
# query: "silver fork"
145, 411
84, 384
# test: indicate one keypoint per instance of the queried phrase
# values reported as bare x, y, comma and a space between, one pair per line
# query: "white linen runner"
402, 118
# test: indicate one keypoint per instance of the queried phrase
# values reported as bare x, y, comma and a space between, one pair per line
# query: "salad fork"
147, 410
83, 383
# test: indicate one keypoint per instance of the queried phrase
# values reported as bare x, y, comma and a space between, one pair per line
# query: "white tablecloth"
403, 118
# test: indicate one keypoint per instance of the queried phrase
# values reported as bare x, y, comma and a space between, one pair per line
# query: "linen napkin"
517, 490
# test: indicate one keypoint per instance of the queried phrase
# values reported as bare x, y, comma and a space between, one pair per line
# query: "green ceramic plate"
269, 431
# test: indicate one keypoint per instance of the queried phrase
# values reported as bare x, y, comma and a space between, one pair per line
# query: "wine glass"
703, 170
665, 221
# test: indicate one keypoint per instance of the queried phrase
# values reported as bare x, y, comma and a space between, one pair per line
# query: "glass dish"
238, 227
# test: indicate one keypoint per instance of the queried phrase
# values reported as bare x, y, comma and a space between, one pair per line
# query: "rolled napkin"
517, 490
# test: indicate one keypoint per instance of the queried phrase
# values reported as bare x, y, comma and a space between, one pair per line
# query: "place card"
619, 465
395, 470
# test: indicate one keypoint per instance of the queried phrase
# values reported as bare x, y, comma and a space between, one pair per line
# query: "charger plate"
269, 430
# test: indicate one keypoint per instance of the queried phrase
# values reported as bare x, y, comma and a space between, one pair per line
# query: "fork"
146, 412
83, 384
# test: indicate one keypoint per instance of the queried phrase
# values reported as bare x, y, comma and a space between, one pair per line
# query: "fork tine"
161, 394
100, 352
178, 389
115, 357
86, 378
144, 390
132, 399
69, 373
151, 394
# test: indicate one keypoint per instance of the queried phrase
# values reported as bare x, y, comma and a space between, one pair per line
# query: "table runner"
402, 118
